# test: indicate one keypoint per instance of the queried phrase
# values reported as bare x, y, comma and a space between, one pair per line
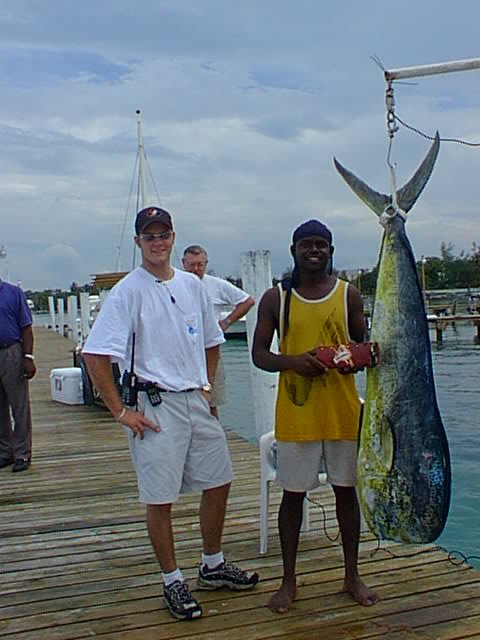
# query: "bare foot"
360, 592
281, 600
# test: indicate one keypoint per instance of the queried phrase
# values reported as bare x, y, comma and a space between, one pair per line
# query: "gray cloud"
244, 106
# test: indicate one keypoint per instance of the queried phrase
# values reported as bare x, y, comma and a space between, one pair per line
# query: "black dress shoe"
21, 465
5, 462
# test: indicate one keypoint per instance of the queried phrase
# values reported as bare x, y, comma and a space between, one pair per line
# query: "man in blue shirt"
17, 367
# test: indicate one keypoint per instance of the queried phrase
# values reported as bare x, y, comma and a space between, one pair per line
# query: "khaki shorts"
189, 454
219, 384
300, 463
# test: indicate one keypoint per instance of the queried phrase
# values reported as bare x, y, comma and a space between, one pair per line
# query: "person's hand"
137, 422
306, 364
345, 370
224, 324
29, 368
207, 395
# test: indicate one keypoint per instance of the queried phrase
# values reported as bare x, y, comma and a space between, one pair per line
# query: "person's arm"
356, 316
100, 371
240, 310
212, 356
28, 357
267, 321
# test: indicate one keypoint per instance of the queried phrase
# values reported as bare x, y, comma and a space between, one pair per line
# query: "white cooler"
66, 385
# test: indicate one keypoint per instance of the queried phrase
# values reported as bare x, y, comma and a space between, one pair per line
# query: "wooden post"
61, 316
51, 312
439, 332
256, 279
84, 316
476, 339
72, 306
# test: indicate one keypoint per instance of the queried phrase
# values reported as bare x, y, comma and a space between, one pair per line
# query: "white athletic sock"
212, 560
173, 576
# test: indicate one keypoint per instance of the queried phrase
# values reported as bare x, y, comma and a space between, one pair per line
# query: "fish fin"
373, 199
406, 196
387, 443
409, 193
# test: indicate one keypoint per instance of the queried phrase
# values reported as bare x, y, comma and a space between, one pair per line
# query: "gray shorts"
218, 391
300, 463
190, 453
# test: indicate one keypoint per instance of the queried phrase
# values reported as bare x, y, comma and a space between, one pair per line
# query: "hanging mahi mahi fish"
404, 473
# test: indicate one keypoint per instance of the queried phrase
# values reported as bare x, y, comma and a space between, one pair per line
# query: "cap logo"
151, 212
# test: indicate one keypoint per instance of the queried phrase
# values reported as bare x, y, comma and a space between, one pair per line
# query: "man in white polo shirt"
224, 296
176, 445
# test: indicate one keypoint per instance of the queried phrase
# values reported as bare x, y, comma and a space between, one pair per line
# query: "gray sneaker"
226, 575
180, 602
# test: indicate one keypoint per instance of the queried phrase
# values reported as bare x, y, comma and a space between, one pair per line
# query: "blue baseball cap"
312, 228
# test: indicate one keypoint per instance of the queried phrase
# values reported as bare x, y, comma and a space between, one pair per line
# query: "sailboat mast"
142, 189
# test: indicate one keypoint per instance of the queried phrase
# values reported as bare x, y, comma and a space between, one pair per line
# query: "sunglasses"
161, 235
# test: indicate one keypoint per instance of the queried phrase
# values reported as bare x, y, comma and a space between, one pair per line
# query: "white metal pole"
432, 69
256, 279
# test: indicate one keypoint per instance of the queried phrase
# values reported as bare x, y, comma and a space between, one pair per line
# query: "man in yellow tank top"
317, 410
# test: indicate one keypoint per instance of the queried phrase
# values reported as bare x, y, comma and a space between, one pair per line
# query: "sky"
244, 105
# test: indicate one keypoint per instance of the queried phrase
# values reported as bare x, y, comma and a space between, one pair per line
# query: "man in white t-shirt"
166, 319
224, 295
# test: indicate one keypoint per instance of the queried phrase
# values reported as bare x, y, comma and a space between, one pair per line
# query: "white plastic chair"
267, 475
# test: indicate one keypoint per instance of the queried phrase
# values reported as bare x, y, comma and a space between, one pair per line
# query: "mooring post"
51, 313
84, 316
61, 316
72, 307
476, 338
439, 332
256, 279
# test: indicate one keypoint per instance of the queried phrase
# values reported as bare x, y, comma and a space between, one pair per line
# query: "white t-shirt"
223, 294
174, 322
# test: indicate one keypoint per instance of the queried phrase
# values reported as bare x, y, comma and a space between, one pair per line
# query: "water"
457, 377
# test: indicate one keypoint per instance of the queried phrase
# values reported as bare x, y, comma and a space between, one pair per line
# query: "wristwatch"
206, 387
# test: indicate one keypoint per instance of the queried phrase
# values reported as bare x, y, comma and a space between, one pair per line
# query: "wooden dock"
441, 323
76, 561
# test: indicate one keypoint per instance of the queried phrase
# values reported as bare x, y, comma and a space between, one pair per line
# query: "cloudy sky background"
244, 106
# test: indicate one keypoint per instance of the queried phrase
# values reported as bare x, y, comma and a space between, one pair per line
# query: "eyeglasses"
150, 237
193, 265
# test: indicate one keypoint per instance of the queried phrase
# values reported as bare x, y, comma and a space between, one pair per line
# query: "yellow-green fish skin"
403, 464
404, 475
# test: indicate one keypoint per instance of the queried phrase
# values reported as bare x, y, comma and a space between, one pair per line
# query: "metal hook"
392, 128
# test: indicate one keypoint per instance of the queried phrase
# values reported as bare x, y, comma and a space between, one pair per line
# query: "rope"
428, 137
456, 558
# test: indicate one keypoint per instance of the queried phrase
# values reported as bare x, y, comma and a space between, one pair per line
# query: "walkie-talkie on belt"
129, 381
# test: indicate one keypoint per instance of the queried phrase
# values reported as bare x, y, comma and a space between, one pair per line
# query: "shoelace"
179, 592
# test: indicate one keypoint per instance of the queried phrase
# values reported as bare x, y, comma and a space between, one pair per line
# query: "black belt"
5, 346
145, 386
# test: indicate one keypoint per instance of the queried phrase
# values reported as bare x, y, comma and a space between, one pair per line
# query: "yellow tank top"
326, 407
